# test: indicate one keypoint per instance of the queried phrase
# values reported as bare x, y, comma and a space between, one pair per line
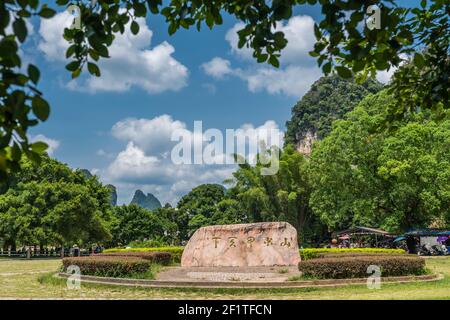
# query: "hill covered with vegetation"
329, 99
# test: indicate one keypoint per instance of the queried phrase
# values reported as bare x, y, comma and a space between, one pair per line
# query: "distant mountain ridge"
113, 194
148, 201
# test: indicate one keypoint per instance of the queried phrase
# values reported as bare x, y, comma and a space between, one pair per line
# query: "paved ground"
255, 274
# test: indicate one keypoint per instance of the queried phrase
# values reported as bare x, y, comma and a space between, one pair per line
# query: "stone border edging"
145, 283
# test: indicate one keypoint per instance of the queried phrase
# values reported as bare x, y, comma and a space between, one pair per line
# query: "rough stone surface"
243, 245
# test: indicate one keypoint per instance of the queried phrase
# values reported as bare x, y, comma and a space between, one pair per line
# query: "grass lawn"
22, 279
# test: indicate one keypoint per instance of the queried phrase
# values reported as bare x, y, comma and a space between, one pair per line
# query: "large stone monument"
242, 245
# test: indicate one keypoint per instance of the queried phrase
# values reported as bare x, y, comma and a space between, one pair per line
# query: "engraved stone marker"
242, 245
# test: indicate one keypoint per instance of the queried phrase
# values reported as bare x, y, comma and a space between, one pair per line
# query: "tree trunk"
8, 243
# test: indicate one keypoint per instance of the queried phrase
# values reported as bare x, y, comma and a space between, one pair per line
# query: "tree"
329, 99
395, 180
197, 208
342, 45
51, 204
229, 211
283, 196
134, 223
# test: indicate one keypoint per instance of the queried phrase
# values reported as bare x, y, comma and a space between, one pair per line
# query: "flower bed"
356, 266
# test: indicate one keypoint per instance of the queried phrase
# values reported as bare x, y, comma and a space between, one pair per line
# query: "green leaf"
210, 20
326, 68
76, 73
33, 3
33, 73
70, 50
72, 66
40, 108
343, 72
358, 65
314, 54
172, 28
139, 9
262, 57
134, 27
39, 147
47, 13
16, 152
273, 60
317, 32
419, 60
93, 69
20, 29
34, 157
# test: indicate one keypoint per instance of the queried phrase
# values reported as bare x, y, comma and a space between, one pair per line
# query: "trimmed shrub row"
176, 252
108, 266
353, 254
311, 253
306, 254
356, 266
153, 256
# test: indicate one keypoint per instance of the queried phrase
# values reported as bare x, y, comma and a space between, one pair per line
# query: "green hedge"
109, 266
311, 253
306, 254
163, 258
176, 252
356, 266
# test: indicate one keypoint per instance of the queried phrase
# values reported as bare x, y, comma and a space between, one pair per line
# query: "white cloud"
132, 164
233, 39
385, 76
217, 68
53, 45
298, 70
52, 143
145, 163
103, 153
299, 31
131, 64
151, 135
292, 80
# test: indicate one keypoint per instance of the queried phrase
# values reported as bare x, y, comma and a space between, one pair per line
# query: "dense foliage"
397, 179
133, 222
204, 205
51, 204
329, 99
283, 196
344, 43
357, 266
359, 174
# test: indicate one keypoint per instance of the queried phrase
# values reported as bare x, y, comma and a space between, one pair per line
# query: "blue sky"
118, 127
